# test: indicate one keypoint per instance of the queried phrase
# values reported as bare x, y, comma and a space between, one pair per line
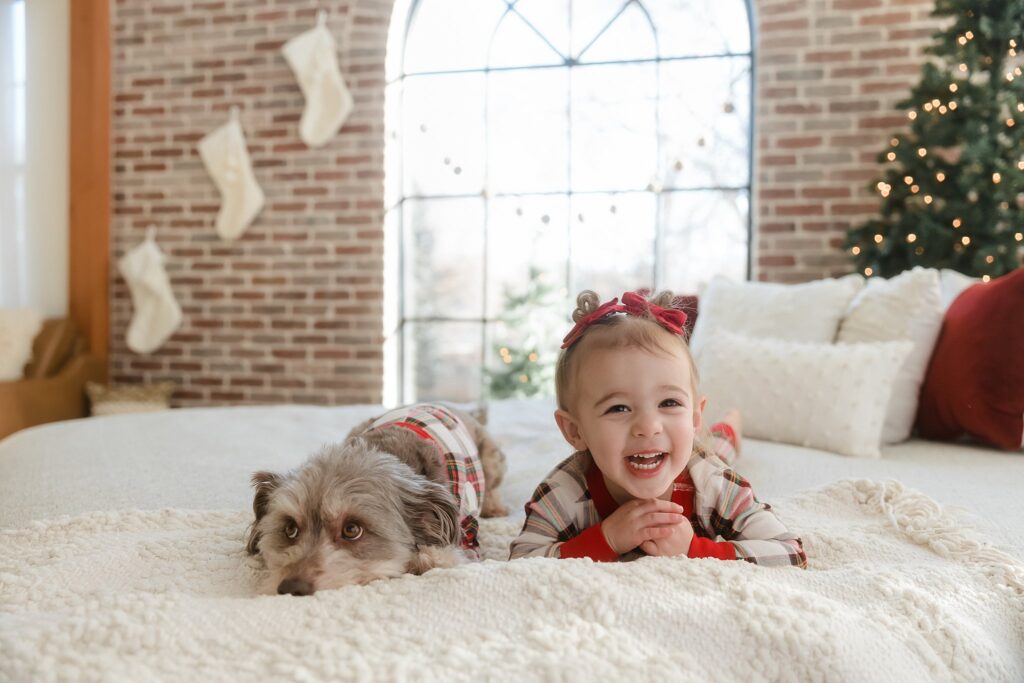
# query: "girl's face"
635, 411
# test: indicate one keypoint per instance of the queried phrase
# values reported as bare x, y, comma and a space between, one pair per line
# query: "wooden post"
89, 188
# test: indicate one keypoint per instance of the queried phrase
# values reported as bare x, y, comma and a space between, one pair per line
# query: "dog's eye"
291, 530
351, 531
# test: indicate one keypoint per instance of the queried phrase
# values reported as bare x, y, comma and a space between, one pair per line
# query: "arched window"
539, 147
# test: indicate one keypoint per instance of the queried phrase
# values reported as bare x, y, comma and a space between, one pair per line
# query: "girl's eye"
351, 531
619, 408
670, 403
291, 529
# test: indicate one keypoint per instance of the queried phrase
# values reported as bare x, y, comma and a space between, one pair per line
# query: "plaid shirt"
563, 519
458, 453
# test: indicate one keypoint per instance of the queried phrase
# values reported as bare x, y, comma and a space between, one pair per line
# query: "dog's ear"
264, 483
433, 513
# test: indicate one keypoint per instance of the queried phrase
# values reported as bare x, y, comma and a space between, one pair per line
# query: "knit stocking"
312, 56
227, 160
156, 312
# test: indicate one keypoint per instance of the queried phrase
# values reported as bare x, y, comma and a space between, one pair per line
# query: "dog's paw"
493, 507
435, 557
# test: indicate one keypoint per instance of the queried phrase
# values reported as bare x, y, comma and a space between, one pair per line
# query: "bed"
122, 558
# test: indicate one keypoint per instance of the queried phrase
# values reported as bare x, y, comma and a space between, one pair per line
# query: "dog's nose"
295, 587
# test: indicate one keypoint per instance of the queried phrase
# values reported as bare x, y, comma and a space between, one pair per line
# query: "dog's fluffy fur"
390, 484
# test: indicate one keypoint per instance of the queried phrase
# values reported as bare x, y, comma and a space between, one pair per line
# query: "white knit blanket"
898, 589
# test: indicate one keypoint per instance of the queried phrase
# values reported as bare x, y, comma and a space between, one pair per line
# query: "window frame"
398, 389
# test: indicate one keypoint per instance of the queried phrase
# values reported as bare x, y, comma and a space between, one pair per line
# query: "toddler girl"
640, 481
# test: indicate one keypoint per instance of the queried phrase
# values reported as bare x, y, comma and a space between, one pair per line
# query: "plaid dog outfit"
457, 451
563, 519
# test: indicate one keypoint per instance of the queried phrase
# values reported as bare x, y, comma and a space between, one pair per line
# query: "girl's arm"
561, 521
728, 508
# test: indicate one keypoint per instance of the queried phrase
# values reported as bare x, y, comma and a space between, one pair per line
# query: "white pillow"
807, 312
18, 329
907, 306
953, 284
827, 396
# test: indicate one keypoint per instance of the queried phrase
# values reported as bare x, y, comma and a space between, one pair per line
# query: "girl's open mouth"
645, 464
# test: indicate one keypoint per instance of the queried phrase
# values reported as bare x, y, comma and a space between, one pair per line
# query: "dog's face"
352, 514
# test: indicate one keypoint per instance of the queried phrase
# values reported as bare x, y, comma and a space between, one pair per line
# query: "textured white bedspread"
897, 591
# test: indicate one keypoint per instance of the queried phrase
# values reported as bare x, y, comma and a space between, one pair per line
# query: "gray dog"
401, 494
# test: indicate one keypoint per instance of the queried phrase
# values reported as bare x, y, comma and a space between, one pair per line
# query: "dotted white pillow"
18, 329
907, 306
808, 312
827, 396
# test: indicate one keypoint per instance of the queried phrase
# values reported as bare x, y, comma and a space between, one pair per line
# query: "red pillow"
975, 381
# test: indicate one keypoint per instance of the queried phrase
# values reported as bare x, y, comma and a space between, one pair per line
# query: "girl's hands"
646, 522
677, 542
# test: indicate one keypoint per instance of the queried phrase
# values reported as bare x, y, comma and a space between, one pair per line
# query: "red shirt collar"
602, 497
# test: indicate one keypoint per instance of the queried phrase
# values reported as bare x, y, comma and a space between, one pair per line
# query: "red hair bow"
633, 303
672, 319
607, 308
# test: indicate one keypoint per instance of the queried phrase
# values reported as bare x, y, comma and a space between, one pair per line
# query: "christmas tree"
526, 362
953, 187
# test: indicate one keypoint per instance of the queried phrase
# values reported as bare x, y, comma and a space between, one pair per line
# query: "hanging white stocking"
227, 161
312, 56
156, 313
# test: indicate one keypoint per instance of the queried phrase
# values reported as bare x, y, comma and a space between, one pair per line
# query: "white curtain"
34, 53
13, 257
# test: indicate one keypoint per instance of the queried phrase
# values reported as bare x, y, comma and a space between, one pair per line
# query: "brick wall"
291, 312
829, 75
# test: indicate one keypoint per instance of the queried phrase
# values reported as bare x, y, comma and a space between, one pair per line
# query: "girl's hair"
618, 331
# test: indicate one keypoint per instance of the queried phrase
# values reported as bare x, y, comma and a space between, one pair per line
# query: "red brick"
825, 192
856, 4
800, 210
802, 142
776, 260
886, 19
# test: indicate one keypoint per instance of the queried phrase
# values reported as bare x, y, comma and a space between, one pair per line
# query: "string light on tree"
959, 156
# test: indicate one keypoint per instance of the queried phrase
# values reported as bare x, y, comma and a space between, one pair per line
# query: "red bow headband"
672, 319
